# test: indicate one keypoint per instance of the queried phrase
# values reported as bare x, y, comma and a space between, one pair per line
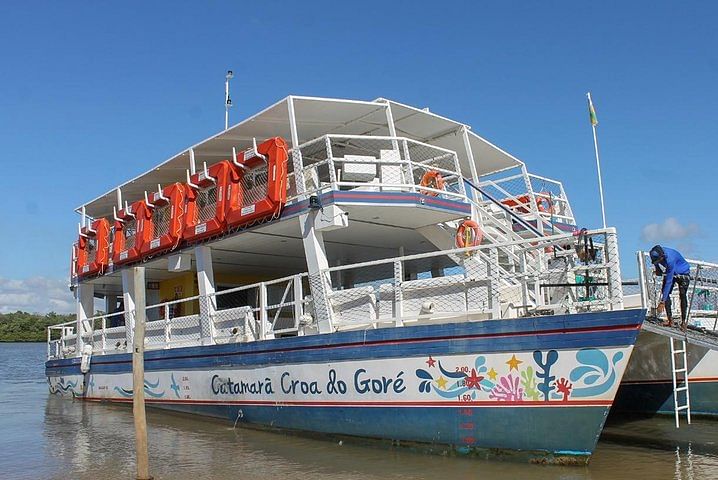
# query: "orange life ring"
432, 179
544, 203
468, 234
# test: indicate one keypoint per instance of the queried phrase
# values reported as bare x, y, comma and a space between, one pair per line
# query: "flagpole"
598, 164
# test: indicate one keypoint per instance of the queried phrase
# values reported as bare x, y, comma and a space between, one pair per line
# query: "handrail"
258, 284
71, 323
173, 302
506, 209
702, 263
544, 179
531, 242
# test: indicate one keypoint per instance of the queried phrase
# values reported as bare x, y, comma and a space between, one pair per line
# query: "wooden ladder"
680, 384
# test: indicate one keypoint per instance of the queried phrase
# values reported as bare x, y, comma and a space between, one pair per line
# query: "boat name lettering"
292, 386
335, 386
226, 386
365, 384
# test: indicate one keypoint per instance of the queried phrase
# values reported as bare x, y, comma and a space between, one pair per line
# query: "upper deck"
369, 158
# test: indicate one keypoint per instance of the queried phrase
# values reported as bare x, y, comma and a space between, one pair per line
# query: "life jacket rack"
226, 196
92, 251
209, 194
127, 239
262, 172
162, 219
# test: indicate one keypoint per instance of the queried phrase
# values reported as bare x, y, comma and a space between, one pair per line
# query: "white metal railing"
61, 340
553, 192
532, 197
374, 163
702, 291
471, 283
554, 274
173, 323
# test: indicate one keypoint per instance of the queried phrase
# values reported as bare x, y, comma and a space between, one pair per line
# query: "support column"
85, 295
207, 300
398, 293
475, 216
615, 285
297, 163
317, 264
138, 373
470, 155
495, 275
392, 126
129, 292
642, 281
532, 199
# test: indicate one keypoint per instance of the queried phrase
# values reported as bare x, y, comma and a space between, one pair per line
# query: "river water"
47, 437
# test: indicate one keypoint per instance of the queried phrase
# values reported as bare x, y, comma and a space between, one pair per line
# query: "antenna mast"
227, 99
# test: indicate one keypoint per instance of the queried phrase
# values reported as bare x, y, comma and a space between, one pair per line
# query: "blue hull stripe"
604, 329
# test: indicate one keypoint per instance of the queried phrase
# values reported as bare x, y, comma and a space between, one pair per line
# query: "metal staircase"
504, 227
680, 379
497, 223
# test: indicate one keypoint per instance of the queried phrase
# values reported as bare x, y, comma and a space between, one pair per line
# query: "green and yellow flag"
592, 111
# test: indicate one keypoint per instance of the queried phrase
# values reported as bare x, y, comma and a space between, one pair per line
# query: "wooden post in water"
138, 375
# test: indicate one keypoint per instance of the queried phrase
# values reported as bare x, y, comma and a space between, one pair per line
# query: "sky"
92, 94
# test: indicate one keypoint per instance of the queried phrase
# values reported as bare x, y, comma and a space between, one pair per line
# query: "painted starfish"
513, 363
473, 380
431, 362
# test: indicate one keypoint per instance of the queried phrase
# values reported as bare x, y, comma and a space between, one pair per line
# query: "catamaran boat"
358, 269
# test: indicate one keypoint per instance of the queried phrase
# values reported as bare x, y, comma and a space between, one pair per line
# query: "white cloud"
36, 295
670, 229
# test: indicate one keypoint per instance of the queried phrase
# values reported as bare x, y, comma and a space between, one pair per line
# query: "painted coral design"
528, 381
536, 381
564, 387
507, 390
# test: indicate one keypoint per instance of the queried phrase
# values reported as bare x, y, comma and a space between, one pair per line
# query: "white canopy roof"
316, 117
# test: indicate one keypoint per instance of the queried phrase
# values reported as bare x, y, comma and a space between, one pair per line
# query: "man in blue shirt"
675, 270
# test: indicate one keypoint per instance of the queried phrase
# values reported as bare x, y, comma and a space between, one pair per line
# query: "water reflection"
92, 440
45, 436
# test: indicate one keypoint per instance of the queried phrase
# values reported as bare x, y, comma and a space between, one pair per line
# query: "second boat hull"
647, 386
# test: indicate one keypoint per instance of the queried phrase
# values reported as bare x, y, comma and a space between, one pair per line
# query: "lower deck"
524, 278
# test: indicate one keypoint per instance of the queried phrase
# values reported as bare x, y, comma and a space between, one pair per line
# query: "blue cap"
656, 253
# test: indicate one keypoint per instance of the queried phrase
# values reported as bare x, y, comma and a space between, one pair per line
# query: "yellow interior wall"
181, 286
185, 285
